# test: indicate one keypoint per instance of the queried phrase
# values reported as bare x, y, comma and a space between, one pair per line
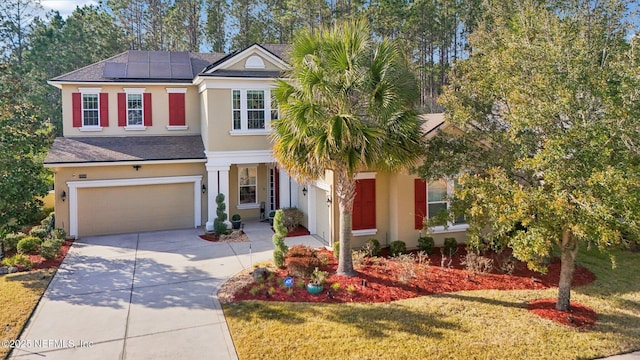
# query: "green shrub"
59, 233
50, 248
397, 247
236, 217
372, 247
280, 248
48, 222
219, 225
40, 232
301, 260
336, 249
18, 260
28, 245
426, 244
10, 241
450, 246
292, 217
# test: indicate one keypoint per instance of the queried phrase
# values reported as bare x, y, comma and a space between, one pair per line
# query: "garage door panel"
122, 209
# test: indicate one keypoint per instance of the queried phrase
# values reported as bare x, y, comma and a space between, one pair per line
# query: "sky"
66, 7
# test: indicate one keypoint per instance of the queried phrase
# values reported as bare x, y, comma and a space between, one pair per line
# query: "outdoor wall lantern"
137, 167
204, 188
304, 191
329, 201
63, 196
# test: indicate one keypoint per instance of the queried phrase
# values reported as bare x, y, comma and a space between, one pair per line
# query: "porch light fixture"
204, 188
328, 201
304, 191
63, 196
137, 167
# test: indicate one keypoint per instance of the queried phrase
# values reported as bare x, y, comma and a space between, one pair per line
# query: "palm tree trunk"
569, 248
346, 193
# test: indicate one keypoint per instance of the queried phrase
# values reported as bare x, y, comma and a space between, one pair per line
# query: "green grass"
19, 295
486, 324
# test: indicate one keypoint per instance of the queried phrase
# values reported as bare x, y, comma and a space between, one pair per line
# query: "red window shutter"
104, 109
147, 108
420, 202
176, 109
364, 205
122, 109
76, 104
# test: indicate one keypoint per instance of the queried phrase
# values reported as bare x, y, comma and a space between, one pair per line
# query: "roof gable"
253, 59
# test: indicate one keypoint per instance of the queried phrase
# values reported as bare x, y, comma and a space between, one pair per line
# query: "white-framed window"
90, 110
247, 186
135, 115
251, 110
438, 194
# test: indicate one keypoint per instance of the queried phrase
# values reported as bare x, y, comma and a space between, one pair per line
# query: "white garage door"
123, 209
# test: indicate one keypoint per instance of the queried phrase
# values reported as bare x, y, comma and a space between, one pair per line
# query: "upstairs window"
134, 110
90, 110
251, 110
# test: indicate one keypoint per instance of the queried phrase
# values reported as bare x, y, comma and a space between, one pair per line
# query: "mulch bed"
41, 263
299, 231
216, 238
578, 316
377, 281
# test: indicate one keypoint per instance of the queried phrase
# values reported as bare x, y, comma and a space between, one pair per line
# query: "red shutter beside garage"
176, 109
104, 109
146, 103
364, 205
122, 109
420, 202
76, 104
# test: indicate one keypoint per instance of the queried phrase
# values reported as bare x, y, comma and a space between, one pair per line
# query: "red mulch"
578, 316
41, 263
299, 231
377, 281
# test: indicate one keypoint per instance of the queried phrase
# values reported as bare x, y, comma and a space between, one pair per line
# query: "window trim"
244, 112
451, 226
255, 204
134, 91
89, 91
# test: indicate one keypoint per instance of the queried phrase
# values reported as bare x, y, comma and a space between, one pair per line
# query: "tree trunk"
346, 193
569, 249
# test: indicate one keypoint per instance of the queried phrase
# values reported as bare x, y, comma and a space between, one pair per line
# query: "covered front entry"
134, 205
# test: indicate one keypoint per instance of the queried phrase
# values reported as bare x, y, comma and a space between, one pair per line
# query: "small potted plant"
235, 221
316, 282
272, 214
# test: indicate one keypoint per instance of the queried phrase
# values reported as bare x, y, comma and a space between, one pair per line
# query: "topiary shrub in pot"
219, 224
397, 247
426, 244
236, 221
280, 248
316, 281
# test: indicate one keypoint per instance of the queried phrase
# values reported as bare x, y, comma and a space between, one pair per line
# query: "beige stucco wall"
159, 111
402, 212
219, 121
64, 174
234, 197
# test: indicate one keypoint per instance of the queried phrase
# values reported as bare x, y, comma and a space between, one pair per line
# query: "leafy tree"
23, 140
548, 149
15, 18
347, 106
215, 26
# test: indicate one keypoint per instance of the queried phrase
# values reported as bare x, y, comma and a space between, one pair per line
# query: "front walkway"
143, 296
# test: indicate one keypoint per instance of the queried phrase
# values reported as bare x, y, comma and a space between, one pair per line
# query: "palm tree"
346, 105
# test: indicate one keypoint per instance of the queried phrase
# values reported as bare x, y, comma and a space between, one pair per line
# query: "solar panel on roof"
160, 70
180, 57
181, 71
138, 70
159, 56
137, 56
114, 70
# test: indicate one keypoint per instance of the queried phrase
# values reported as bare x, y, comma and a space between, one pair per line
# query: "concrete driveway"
142, 296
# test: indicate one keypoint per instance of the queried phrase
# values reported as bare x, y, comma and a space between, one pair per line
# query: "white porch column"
218, 179
311, 209
285, 189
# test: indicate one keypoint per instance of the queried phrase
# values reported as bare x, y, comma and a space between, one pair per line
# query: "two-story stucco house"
151, 137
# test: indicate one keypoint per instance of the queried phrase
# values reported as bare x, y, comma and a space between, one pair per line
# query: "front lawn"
19, 294
480, 324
